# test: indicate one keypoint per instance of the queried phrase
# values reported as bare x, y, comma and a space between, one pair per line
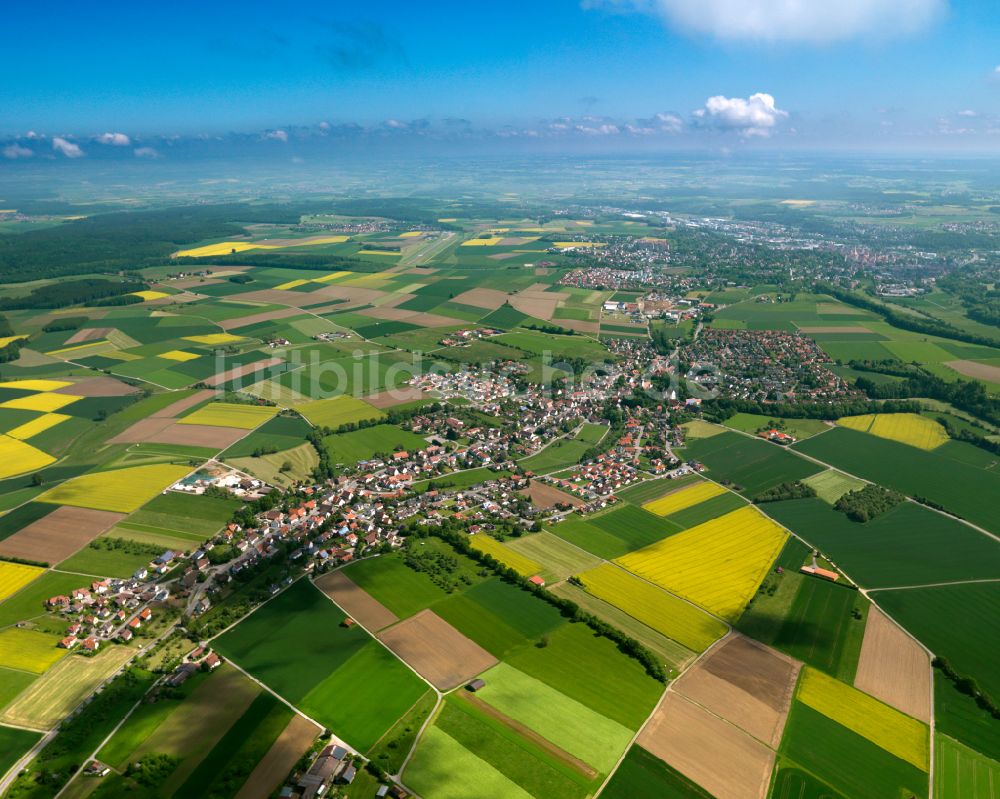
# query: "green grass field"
831, 485
558, 558
557, 455
610, 535
753, 464
105, 562
13, 744
908, 545
958, 716
823, 747
707, 510
752, 422
28, 602
644, 776
361, 445
337, 411
641, 493
568, 724
794, 783
962, 773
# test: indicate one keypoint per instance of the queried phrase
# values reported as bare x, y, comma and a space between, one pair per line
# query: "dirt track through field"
280, 759
355, 601
728, 763
894, 668
745, 683
55, 537
436, 650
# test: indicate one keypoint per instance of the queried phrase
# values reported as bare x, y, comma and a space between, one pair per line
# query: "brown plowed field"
980, 371
98, 387
142, 430
196, 435
727, 763
182, 405
397, 396
355, 601
543, 495
280, 758
745, 683
88, 334
490, 299
894, 668
265, 316
55, 537
410, 317
538, 308
240, 371
436, 650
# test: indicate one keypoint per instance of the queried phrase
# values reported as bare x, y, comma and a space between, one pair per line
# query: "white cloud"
32, 135
791, 20
276, 135
604, 129
14, 151
968, 113
114, 139
145, 152
395, 124
324, 125
755, 116
67, 148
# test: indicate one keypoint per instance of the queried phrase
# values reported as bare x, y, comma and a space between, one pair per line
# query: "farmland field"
641, 493
558, 558
751, 463
660, 610
822, 746
396, 586
228, 414
717, 565
618, 532
951, 621
643, 776
906, 428
684, 498
908, 545
956, 485
15, 576
509, 557
831, 485
886, 727
121, 490
752, 422
337, 411
13, 744
29, 650
364, 444
962, 773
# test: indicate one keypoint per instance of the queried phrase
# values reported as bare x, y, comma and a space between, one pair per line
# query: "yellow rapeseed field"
16, 457
905, 737
38, 425
331, 277
562, 245
35, 385
717, 565
14, 576
291, 284
5, 340
447, 219
379, 252
44, 402
84, 350
214, 338
230, 414
906, 428
411, 234
119, 490
219, 248
179, 355
653, 606
29, 650
150, 295
491, 241
523, 565
685, 498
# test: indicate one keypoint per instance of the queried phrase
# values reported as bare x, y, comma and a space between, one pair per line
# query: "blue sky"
869, 72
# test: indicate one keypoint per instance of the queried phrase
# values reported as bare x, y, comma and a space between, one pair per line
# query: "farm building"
817, 571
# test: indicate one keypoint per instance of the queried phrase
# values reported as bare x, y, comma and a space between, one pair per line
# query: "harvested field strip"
654, 607
961, 773
558, 558
280, 759
52, 697
589, 736
436, 650
902, 736
14, 576
717, 565
684, 498
707, 750
509, 557
58, 535
894, 668
906, 428
356, 601
674, 655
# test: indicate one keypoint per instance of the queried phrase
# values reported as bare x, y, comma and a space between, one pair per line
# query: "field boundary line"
935, 585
